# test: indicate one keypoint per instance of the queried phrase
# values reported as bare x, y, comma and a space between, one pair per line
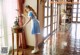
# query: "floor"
66, 43
69, 42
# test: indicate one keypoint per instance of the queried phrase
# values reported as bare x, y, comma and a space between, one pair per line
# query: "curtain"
20, 11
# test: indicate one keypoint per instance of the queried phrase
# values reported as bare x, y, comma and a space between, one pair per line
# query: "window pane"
54, 11
53, 27
78, 10
48, 29
74, 10
0, 21
49, 12
79, 19
74, 19
45, 32
53, 20
79, 15
79, 5
0, 15
74, 6
45, 12
49, 3
54, 5
1, 32
49, 20
74, 14
46, 3
45, 22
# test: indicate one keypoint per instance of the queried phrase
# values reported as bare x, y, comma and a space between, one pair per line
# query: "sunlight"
10, 7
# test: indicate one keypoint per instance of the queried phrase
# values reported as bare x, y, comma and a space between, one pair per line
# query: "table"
16, 30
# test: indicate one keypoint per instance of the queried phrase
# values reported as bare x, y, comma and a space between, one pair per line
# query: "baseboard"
28, 46
39, 45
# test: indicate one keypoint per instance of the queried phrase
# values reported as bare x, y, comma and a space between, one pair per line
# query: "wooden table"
16, 30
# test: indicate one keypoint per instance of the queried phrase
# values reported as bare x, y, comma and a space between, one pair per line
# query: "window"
75, 32
47, 18
11, 14
76, 12
7, 16
1, 22
55, 17
1, 27
50, 18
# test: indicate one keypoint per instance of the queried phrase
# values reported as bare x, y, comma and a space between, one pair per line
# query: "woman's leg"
36, 44
36, 41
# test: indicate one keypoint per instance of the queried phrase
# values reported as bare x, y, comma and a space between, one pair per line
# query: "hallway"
67, 43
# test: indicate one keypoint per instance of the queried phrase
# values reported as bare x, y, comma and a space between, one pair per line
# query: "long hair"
29, 7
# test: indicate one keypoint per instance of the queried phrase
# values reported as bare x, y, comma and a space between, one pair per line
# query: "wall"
41, 14
31, 38
41, 17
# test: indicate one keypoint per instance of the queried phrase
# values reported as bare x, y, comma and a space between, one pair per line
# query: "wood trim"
72, 14
77, 12
37, 9
47, 14
51, 28
64, 2
75, 22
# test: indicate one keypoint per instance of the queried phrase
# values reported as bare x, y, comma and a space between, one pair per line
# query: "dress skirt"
35, 27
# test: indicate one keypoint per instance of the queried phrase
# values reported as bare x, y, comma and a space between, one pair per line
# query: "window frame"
51, 15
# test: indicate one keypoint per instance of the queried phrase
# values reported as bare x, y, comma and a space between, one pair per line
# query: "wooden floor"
66, 43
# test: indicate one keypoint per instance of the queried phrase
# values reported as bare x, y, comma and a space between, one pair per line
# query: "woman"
35, 26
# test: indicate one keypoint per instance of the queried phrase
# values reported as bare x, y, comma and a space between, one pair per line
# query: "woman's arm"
27, 22
24, 16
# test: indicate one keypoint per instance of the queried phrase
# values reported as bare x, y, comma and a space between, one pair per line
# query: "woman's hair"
29, 7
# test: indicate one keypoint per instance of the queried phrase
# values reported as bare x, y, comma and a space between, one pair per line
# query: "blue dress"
35, 26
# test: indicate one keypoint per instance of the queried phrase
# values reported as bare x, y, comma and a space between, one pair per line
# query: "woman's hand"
22, 15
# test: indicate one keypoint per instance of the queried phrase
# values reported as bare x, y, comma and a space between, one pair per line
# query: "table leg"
17, 42
12, 43
22, 44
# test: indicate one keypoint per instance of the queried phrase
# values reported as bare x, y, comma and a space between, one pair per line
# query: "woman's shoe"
35, 50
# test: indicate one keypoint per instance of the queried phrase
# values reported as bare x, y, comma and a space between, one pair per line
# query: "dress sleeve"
30, 14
